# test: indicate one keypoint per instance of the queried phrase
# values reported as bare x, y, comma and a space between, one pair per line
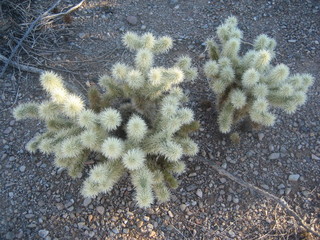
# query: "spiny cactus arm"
231, 48
261, 60
71, 147
59, 123
229, 30
87, 119
184, 63
112, 148
132, 41
102, 178
162, 45
186, 129
94, 97
171, 150
190, 148
144, 60
142, 180
211, 69
93, 138
263, 118
49, 110
238, 98
264, 42
225, 118
162, 192
26, 110
134, 159
110, 119
73, 105
213, 49
170, 179
136, 128
277, 75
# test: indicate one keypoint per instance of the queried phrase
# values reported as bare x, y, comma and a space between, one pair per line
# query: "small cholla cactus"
138, 125
248, 85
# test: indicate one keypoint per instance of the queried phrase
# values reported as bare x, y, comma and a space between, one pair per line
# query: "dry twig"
72, 9
32, 25
280, 201
21, 66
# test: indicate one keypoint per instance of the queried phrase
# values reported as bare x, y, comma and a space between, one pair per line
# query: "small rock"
146, 218
82, 35
231, 234
260, 136
22, 168
143, 27
314, 157
292, 40
236, 200
100, 210
86, 202
288, 191
43, 233
170, 214
281, 186
294, 177
264, 186
115, 230
222, 180
8, 130
29, 215
9, 235
183, 207
133, 20
191, 187
199, 193
274, 156
140, 223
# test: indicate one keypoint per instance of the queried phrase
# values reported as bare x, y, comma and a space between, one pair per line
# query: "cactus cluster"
137, 124
248, 86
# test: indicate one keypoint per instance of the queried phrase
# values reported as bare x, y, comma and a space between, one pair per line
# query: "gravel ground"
39, 201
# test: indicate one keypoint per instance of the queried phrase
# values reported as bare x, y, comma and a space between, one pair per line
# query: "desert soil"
38, 201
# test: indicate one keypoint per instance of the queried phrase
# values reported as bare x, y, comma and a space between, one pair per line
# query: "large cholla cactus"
249, 85
138, 125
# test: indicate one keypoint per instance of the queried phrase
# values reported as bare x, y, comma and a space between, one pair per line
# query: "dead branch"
72, 9
21, 66
245, 184
32, 25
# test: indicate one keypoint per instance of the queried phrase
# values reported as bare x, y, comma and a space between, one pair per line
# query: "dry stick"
65, 13
280, 201
21, 66
32, 25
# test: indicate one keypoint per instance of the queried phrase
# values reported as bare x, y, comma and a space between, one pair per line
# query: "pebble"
22, 168
43, 233
314, 157
294, 177
170, 214
264, 186
199, 193
100, 210
191, 187
260, 136
86, 202
9, 235
183, 207
292, 40
133, 20
8, 130
274, 156
82, 35
143, 27
146, 218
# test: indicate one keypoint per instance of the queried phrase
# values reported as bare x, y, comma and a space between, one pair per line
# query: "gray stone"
199, 193
100, 210
260, 136
86, 202
8, 130
133, 20
22, 168
82, 35
191, 187
183, 207
274, 156
294, 177
43, 233
9, 235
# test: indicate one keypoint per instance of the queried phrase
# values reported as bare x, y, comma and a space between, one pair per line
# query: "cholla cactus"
138, 125
249, 85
